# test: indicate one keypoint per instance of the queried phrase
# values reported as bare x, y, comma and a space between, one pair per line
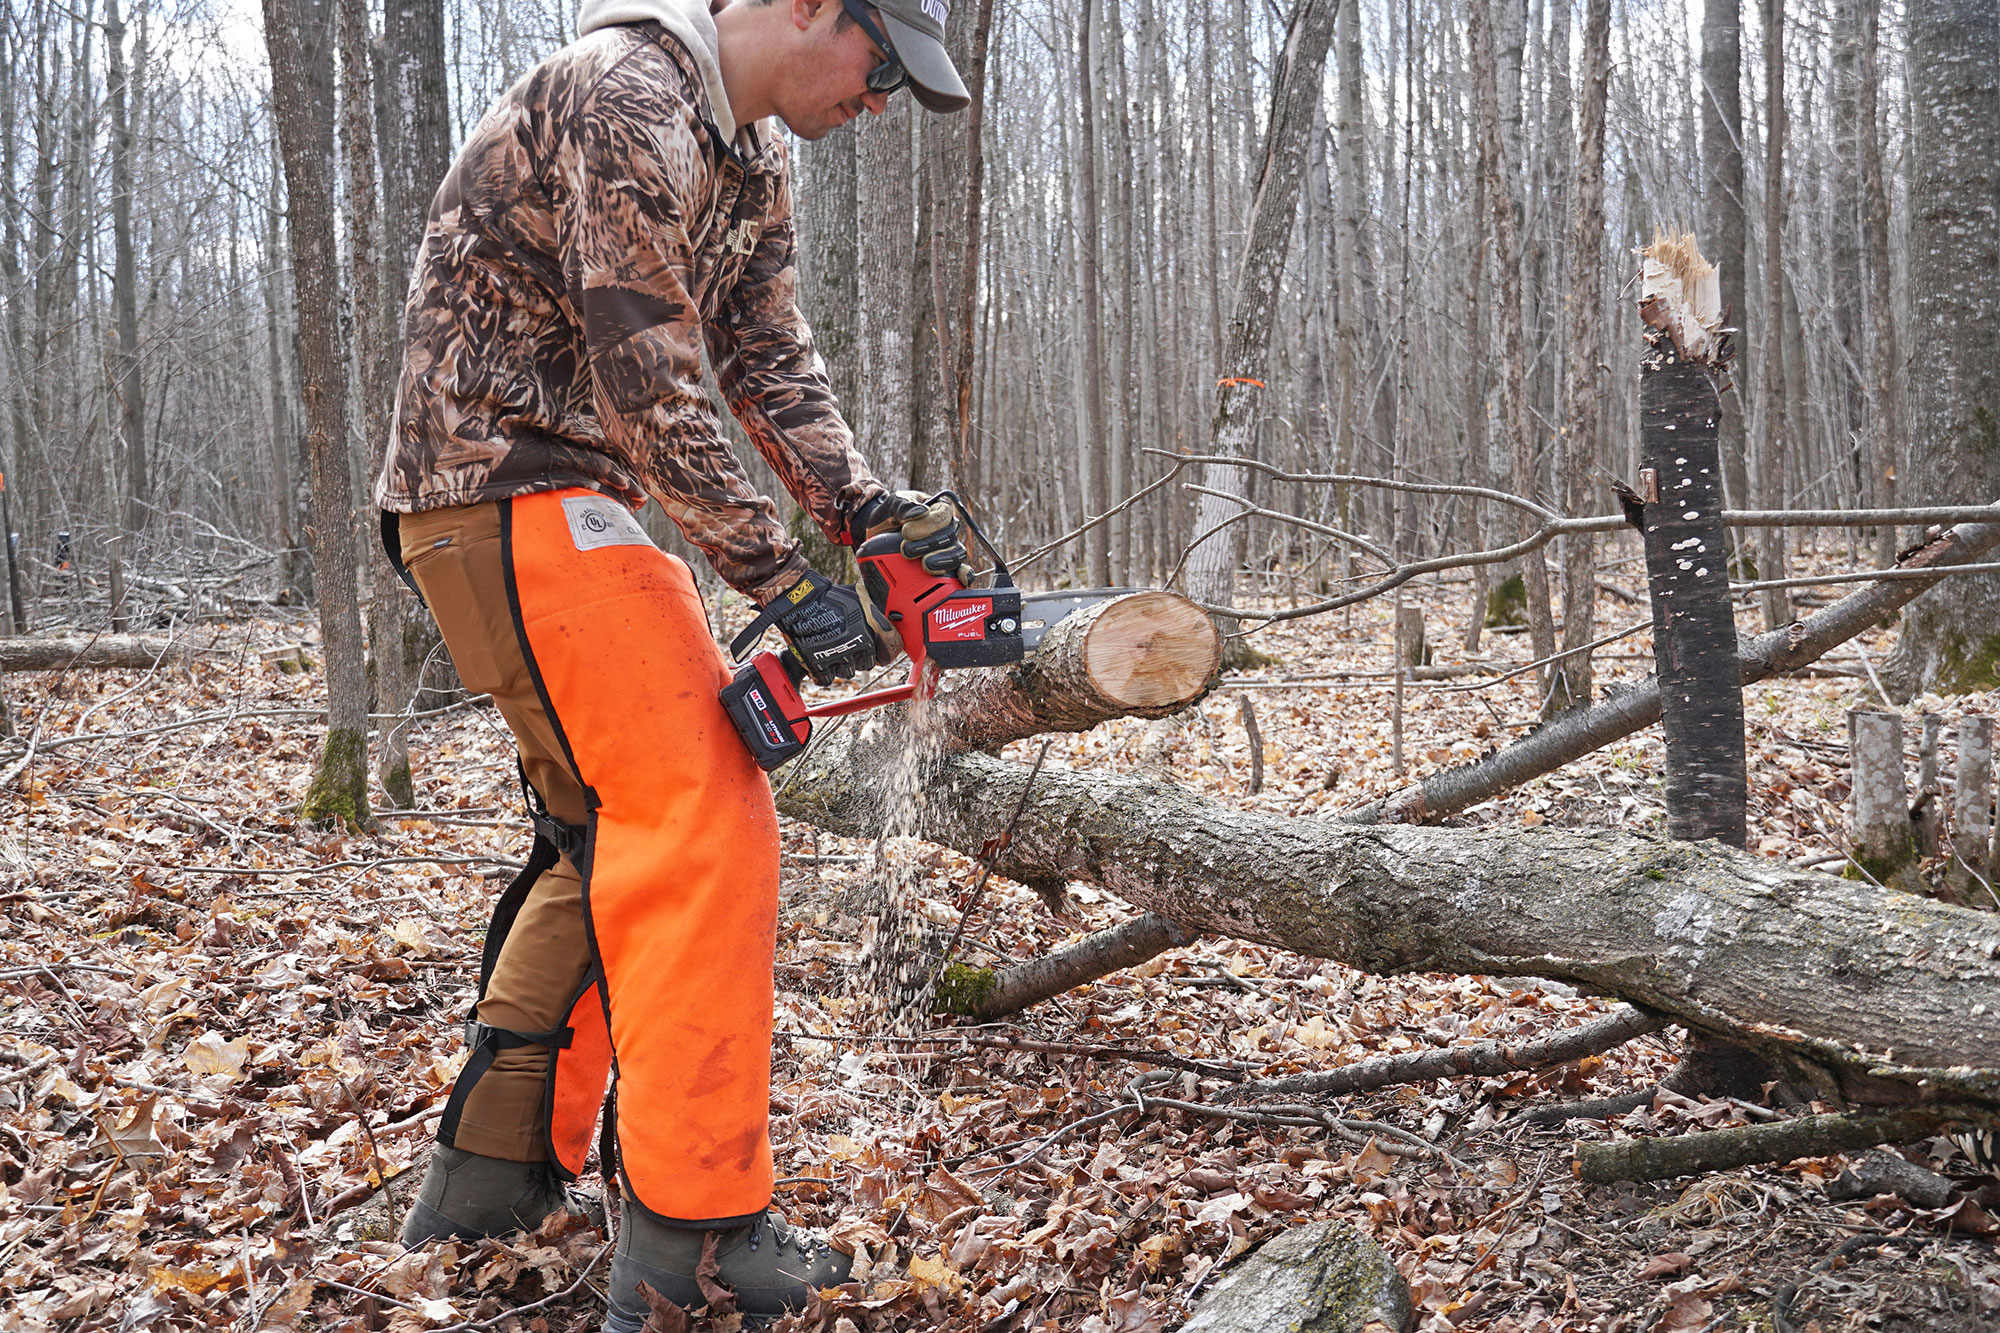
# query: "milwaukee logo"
951, 617
961, 621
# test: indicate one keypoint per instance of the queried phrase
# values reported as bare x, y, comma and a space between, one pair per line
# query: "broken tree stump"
1927, 812
1972, 855
1694, 630
1884, 846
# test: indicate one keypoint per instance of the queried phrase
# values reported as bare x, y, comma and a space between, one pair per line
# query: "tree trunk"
1723, 942
1232, 429
1146, 655
375, 347
1723, 216
1694, 631
1951, 642
128, 380
1090, 322
1775, 438
886, 421
413, 140
1584, 377
304, 115
126, 651
1888, 412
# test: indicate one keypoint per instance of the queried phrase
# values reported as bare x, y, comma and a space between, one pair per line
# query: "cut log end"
1151, 650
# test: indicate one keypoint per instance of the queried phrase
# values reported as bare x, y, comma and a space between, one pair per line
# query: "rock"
1325, 1277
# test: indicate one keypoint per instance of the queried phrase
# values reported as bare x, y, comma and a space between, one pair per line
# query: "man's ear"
804, 12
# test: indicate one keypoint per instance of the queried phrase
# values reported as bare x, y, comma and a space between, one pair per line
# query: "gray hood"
689, 20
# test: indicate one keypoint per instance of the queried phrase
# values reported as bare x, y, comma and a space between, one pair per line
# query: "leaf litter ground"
221, 1032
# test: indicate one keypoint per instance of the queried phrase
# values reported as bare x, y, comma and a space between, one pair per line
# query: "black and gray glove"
828, 628
932, 533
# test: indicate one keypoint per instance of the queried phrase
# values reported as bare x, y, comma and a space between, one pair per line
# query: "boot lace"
805, 1242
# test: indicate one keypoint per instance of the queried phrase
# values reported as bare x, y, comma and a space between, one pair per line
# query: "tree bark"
1863, 998
128, 380
1694, 631
1775, 437
1888, 409
1232, 429
1090, 330
304, 115
1584, 374
375, 347
1722, 207
1951, 643
885, 419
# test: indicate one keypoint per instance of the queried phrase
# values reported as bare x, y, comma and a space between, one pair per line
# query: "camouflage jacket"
593, 235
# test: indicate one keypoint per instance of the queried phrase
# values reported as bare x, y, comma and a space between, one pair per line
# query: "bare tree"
297, 33
1951, 641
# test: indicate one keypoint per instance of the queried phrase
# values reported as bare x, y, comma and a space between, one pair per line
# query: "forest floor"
220, 1030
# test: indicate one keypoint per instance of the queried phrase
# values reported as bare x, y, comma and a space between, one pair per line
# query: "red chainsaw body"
943, 625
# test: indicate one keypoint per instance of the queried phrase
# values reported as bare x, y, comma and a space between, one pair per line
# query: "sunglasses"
890, 75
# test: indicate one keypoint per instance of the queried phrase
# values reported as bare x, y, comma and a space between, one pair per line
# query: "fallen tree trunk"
1575, 734
1865, 997
138, 651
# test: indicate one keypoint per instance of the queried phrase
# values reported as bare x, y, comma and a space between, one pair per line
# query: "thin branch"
1621, 1025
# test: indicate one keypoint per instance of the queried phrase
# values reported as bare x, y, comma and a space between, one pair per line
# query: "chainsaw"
944, 626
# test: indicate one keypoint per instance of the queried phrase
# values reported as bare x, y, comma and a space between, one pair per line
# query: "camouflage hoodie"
598, 230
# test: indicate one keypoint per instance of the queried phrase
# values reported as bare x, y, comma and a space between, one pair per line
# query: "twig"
1491, 681
1862, 576
581, 1279
341, 865
362, 1291
29, 1071
993, 854
1031, 557
374, 1152
1138, 1054
1623, 1024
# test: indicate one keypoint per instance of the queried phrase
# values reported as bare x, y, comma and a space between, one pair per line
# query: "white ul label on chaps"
597, 520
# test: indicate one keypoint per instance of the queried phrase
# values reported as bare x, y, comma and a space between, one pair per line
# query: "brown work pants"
455, 556
651, 953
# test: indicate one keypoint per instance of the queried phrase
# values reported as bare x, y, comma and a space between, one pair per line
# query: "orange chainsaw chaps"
577, 1075
680, 873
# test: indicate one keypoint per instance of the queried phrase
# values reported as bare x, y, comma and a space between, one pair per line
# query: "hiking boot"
772, 1267
469, 1197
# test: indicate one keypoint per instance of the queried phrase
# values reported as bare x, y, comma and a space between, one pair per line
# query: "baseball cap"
916, 29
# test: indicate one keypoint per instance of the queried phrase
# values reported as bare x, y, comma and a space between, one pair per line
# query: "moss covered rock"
1324, 1277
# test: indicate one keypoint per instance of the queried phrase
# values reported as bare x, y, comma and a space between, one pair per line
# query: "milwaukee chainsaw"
944, 626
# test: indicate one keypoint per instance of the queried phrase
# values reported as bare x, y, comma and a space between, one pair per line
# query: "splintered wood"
1681, 292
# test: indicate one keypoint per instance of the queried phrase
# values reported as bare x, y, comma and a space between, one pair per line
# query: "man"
619, 210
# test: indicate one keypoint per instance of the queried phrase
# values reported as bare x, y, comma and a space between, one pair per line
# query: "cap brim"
933, 79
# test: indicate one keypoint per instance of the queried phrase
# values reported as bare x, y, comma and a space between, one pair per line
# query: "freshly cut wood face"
1151, 649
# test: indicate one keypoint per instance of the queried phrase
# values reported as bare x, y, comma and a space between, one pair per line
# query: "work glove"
829, 628
932, 533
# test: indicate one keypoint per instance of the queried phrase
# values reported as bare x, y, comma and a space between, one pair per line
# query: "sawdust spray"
898, 944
